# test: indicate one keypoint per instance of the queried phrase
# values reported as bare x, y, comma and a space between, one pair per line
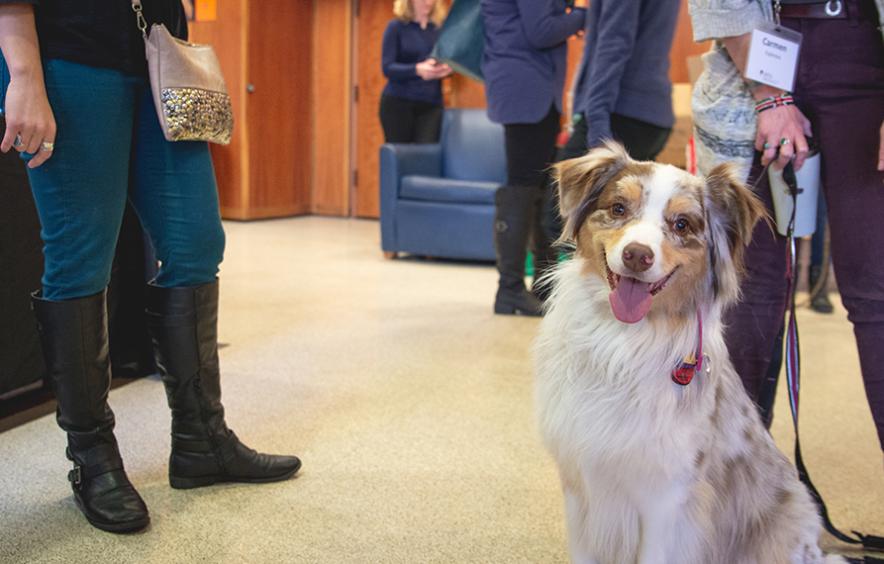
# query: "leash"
793, 373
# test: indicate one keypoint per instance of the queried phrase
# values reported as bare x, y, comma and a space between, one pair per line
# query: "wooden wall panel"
332, 88
278, 107
227, 36
683, 46
369, 31
464, 92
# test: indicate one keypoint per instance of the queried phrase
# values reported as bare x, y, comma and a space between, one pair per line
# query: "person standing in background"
524, 65
622, 90
411, 103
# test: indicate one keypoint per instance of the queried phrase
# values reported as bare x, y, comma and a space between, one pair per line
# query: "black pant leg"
530, 149
427, 123
397, 119
643, 141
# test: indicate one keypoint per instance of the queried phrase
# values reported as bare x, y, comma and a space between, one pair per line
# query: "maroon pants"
840, 88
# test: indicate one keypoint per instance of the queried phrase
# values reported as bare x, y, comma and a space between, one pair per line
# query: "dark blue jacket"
525, 56
625, 67
406, 44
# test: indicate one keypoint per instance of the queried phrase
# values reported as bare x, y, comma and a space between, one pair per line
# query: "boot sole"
118, 528
512, 310
180, 483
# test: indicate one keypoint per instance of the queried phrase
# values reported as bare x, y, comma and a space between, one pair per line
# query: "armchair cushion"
448, 190
472, 147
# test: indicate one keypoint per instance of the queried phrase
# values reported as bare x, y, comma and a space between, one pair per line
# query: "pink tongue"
631, 300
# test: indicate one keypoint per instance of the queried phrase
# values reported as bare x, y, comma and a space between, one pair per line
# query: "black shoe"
184, 326
821, 304
515, 215
74, 338
819, 301
517, 302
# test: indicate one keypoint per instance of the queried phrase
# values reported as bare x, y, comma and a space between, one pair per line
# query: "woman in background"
411, 104
524, 65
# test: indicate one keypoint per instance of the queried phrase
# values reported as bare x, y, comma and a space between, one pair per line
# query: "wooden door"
372, 17
278, 81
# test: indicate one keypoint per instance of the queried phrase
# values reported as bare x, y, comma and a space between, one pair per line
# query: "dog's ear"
582, 180
732, 211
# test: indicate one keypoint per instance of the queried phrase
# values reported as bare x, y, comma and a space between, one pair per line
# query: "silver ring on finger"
17, 142
784, 141
47, 146
766, 146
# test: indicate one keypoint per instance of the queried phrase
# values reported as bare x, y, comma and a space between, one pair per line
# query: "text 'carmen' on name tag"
773, 56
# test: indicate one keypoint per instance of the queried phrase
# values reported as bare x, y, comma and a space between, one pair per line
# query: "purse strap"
139, 17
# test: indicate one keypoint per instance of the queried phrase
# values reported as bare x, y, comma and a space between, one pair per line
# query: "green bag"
462, 39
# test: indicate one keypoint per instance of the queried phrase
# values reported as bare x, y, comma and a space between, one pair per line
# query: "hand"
881, 148
783, 129
580, 4
431, 69
29, 119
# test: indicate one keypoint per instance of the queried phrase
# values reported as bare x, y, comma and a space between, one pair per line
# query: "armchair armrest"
398, 160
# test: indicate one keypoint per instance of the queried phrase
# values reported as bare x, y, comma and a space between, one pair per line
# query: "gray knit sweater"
722, 107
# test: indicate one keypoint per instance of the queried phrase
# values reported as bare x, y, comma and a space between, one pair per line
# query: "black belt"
832, 9
829, 9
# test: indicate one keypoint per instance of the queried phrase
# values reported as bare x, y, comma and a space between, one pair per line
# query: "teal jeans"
110, 148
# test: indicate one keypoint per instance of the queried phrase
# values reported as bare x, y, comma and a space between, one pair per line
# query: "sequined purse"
187, 85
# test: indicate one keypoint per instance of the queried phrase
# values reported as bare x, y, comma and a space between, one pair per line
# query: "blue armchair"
438, 199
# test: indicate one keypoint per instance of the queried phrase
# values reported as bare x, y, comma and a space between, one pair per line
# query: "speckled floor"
410, 404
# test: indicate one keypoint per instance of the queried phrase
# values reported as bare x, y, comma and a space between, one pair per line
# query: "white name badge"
773, 56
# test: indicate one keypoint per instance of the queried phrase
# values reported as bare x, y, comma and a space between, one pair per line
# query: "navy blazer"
525, 56
625, 66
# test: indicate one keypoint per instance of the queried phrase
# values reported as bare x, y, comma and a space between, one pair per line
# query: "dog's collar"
692, 363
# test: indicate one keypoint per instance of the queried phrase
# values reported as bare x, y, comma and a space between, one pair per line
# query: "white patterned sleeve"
714, 19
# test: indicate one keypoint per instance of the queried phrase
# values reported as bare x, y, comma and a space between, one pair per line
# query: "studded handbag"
187, 85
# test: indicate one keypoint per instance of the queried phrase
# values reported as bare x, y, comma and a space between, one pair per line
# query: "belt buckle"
834, 8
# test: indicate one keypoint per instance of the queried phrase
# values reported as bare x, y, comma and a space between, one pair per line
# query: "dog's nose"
638, 257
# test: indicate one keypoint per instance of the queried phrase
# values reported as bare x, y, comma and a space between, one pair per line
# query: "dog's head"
662, 238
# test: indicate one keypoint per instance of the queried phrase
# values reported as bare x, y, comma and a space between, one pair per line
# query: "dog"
662, 456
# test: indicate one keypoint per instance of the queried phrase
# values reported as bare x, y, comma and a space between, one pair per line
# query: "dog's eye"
618, 209
681, 225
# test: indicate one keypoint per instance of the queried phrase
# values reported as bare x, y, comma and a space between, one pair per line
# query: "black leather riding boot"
184, 325
545, 254
74, 338
516, 207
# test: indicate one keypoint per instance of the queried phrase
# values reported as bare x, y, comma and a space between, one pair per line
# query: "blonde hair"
404, 10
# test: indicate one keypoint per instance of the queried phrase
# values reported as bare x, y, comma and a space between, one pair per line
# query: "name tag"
773, 56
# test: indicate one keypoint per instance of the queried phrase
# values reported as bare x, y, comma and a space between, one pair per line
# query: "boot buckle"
75, 476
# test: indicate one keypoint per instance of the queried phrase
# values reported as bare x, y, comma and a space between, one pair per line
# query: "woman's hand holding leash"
782, 129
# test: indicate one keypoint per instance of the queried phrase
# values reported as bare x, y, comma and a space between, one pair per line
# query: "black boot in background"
820, 301
514, 217
184, 325
545, 255
74, 338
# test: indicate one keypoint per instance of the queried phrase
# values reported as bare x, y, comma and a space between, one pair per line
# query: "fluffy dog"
662, 455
